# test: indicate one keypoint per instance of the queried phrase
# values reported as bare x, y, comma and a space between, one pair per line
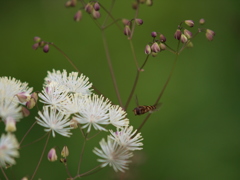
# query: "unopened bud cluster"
40, 44
128, 24
157, 45
136, 3
52, 155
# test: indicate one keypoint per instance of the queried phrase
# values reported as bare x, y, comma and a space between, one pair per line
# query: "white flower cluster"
13, 94
68, 96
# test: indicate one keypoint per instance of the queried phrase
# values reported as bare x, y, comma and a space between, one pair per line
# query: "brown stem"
40, 160
4, 174
27, 133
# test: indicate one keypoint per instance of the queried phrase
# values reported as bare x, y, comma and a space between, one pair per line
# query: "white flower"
112, 154
54, 95
125, 137
117, 116
54, 121
10, 87
94, 112
71, 82
73, 103
8, 108
8, 149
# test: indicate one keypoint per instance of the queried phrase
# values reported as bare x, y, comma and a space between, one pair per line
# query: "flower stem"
88, 172
81, 155
111, 68
34, 141
27, 133
4, 174
40, 160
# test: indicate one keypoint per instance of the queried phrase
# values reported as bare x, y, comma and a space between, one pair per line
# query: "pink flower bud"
35, 46
155, 47
210, 34
177, 34
149, 2
96, 14
46, 48
25, 112
162, 46
135, 5
78, 16
127, 31
52, 155
154, 34
37, 39
187, 33
125, 21
202, 21
162, 38
23, 97
190, 23
96, 6
189, 44
183, 38
148, 49
34, 96
139, 21
89, 8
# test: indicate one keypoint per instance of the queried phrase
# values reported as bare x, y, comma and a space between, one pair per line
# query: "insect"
139, 110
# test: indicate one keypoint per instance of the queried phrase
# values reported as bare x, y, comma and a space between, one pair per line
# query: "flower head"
94, 112
8, 149
125, 137
54, 121
112, 154
71, 83
117, 116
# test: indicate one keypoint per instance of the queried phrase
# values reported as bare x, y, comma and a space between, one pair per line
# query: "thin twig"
4, 173
81, 155
27, 133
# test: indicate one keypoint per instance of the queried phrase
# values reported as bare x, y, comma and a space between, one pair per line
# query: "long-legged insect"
139, 110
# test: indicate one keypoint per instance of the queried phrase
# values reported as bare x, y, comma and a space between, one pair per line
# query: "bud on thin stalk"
52, 155
190, 23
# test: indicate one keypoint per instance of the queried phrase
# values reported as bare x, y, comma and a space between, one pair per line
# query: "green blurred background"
195, 135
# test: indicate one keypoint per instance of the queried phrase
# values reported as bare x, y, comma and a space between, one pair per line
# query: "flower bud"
37, 39
10, 124
35, 46
31, 103
189, 44
68, 4
125, 21
202, 21
25, 112
155, 47
78, 16
177, 34
210, 34
34, 96
139, 21
46, 48
187, 33
41, 43
149, 2
127, 30
24, 178
96, 6
147, 49
162, 38
96, 14
89, 8
162, 46
135, 5
74, 123
190, 23
184, 38
23, 97
154, 54
65, 151
154, 34
52, 156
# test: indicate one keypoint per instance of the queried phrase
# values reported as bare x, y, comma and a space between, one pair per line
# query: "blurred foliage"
195, 135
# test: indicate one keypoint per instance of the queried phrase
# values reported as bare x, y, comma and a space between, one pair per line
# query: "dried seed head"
78, 16
190, 23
